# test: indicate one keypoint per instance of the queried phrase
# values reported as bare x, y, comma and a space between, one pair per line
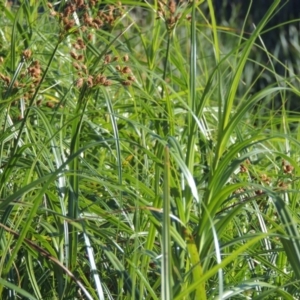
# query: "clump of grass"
131, 167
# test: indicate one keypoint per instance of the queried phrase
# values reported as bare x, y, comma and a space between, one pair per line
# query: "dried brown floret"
100, 79
125, 57
107, 59
264, 178
131, 78
90, 81
6, 80
172, 6
84, 68
87, 19
76, 66
69, 25
107, 83
27, 54
126, 70
79, 82
76, 46
259, 192
74, 55
287, 168
283, 185
80, 57
50, 104
243, 169
81, 43
177, 17
79, 3
98, 21
126, 82
53, 13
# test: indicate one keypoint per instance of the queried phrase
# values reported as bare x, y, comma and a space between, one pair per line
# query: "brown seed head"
67, 12
259, 192
79, 3
288, 169
87, 19
36, 81
90, 81
126, 82
26, 54
69, 25
125, 57
171, 21
81, 43
76, 66
177, 17
126, 70
107, 83
80, 57
100, 79
243, 169
6, 80
161, 6
107, 59
79, 82
99, 22
76, 46
53, 13
84, 68
283, 185
50, 104
74, 55
172, 6
131, 78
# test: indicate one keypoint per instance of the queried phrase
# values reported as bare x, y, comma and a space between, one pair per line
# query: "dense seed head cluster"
78, 20
280, 182
28, 80
167, 11
92, 17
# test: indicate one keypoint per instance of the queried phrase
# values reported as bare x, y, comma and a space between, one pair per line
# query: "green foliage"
132, 166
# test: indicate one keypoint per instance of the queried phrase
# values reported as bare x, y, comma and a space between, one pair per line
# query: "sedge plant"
136, 162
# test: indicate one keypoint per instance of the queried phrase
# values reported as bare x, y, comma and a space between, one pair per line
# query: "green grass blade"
166, 259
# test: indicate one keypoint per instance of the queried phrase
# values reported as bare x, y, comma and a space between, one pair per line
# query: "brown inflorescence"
287, 168
27, 54
90, 17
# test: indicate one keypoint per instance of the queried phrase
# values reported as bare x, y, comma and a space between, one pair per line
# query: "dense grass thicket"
136, 159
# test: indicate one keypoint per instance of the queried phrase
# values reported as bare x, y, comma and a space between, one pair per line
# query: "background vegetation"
141, 159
